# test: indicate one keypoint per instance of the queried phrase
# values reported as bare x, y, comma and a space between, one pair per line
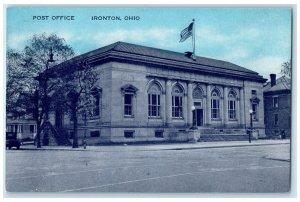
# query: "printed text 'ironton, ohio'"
115, 18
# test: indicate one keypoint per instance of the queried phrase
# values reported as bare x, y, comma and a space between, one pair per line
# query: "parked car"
12, 140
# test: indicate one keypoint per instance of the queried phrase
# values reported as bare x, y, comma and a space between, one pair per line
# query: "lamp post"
193, 114
251, 124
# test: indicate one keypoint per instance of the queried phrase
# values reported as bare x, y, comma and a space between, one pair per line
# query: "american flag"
186, 33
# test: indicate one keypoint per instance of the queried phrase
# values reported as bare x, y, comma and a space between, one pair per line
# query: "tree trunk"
37, 118
38, 135
75, 127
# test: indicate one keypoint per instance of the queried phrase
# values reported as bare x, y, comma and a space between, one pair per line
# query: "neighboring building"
24, 127
149, 94
277, 99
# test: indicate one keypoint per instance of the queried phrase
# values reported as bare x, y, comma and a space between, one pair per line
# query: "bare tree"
42, 52
16, 83
286, 69
78, 86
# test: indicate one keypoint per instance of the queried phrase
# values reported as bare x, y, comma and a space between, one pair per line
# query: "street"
230, 169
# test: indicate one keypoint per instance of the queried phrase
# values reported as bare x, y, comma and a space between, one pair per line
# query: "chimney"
273, 79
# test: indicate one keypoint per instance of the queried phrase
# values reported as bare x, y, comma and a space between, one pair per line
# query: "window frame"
96, 105
215, 105
161, 132
177, 110
32, 128
95, 133
232, 108
129, 89
21, 128
129, 131
254, 93
130, 106
177, 102
275, 105
232, 111
154, 109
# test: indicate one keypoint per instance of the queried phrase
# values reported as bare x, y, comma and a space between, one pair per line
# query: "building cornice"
193, 80
171, 64
140, 55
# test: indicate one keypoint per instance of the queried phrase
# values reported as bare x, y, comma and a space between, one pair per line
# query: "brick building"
277, 99
149, 94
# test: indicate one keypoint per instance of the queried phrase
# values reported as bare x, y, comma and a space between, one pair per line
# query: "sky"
256, 38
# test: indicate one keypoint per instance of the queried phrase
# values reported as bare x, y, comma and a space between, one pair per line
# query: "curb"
224, 146
158, 149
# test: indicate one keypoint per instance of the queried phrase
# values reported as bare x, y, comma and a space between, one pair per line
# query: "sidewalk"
162, 146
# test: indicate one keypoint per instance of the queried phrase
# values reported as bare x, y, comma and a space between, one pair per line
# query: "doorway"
198, 117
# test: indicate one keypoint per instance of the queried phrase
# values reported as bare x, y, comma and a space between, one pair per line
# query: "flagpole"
194, 55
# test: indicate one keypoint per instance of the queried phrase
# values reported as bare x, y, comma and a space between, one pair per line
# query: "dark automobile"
12, 140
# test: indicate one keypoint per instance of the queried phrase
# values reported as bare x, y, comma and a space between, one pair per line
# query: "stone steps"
215, 131
223, 137
219, 134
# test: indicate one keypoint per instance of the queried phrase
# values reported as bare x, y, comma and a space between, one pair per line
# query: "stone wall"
112, 123
258, 87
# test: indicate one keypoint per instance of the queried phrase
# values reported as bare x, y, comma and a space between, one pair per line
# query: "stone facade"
149, 100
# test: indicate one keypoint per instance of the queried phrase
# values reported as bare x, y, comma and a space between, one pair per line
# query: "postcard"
148, 99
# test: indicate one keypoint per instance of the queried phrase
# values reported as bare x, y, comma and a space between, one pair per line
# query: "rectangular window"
254, 109
159, 134
128, 103
96, 105
10, 128
177, 107
129, 134
275, 102
231, 109
215, 109
254, 93
95, 133
275, 119
153, 105
31, 128
198, 104
21, 129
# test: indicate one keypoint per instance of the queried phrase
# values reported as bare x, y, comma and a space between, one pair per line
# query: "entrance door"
198, 117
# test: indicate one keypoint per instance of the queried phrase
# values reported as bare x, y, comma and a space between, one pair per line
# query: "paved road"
232, 169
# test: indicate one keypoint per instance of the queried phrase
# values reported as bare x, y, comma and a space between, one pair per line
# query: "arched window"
197, 96
215, 104
154, 92
197, 93
232, 105
177, 94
